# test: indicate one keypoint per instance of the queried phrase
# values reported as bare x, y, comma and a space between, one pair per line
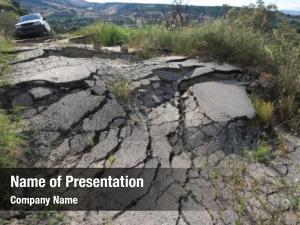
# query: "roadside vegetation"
6, 47
109, 34
11, 140
256, 37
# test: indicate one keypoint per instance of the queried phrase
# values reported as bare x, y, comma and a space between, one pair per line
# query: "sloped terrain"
86, 9
183, 113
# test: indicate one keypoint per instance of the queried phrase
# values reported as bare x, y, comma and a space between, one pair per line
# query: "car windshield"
29, 17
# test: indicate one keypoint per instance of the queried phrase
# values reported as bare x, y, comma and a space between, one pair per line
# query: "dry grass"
123, 88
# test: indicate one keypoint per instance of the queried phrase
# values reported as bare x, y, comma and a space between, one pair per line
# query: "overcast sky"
282, 4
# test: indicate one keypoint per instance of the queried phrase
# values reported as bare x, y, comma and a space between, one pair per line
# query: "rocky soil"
184, 113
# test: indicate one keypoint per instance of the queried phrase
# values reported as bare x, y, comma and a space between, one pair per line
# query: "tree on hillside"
177, 16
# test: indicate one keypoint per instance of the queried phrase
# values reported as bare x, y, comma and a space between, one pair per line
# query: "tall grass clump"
264, 110
123, 88
107, 33
234, 43
220, 39
154, 38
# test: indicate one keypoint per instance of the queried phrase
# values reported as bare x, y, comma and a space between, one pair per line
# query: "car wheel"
45, 33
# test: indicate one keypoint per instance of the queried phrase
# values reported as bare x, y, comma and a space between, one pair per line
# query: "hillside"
83, 8
71, 13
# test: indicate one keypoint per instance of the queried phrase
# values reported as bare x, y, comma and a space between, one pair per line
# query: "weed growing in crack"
135, 118
241, 211
262, 154
264, 110
108, 221
111, 160
123, 88
90, 140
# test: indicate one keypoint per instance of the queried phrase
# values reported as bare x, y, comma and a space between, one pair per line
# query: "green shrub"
262, 154
264, 110
123, 88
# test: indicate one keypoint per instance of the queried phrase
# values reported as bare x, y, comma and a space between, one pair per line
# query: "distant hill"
291, 12
81, 8
69, 15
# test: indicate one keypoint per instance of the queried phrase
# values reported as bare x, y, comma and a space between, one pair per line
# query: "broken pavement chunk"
223, 101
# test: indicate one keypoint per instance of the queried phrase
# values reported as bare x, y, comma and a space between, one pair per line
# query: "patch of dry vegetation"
123, 88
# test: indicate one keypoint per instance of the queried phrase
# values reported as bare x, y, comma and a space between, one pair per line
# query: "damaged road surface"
184, 113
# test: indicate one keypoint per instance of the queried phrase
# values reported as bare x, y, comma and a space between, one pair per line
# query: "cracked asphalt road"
184, 114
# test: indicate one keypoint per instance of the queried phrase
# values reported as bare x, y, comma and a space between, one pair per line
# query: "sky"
281, 4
